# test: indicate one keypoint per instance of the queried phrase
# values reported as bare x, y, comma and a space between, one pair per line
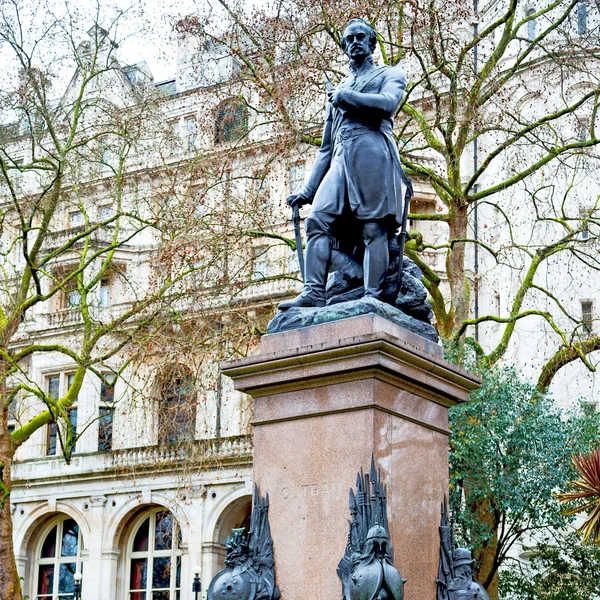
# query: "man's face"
356, 38
464, 571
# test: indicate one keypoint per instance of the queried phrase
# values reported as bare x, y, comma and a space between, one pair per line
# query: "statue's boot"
316, 268
376, 259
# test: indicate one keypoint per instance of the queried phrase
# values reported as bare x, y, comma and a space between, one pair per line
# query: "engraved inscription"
309, 490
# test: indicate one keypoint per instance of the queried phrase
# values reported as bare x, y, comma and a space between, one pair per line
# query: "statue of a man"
464, 586
355, 184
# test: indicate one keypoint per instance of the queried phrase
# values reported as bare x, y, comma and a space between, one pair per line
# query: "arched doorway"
234, 515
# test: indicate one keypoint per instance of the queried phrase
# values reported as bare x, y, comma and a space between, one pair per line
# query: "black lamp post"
196, 584
77, 589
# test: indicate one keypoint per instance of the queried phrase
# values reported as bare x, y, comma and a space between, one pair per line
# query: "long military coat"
358, 166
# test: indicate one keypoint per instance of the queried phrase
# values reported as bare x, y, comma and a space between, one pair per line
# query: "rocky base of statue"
345, 297
294, 318
346, 283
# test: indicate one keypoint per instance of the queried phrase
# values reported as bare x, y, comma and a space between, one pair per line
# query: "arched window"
235, 515
154, 558
177, 408
57, 561
231, 122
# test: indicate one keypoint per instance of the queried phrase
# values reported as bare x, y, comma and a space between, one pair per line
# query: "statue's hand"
297, 200
336, 97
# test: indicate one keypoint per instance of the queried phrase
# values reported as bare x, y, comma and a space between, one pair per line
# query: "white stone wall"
105, 501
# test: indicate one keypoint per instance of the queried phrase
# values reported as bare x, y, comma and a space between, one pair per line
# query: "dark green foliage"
511, 449
561, 568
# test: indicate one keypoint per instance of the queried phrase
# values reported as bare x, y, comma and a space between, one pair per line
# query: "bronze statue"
455, 574
355, 187
248, 572
366, 570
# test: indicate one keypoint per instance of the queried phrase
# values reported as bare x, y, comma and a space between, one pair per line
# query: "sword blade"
298, 236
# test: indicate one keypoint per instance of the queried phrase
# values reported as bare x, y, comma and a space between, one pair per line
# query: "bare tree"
90, 211
498, 125
501, 104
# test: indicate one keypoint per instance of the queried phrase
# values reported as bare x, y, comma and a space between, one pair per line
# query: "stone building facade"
132, 511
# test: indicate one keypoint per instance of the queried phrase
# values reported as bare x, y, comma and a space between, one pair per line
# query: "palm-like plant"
587, 488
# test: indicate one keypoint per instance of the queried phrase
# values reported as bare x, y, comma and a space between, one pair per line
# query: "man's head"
359, 39
463, 562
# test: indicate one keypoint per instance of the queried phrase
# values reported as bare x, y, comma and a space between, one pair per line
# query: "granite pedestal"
327, 397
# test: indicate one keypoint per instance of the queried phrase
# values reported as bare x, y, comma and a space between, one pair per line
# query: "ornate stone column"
327, 397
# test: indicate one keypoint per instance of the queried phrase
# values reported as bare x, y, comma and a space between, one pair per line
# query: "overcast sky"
146, 32
158, 48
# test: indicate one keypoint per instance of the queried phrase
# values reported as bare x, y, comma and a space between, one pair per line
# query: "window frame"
174, 553
531, 25
262, 263
52, 428
13, 419
296, 183
231, 121
191, 133
108, 405
587, 324
57, 560
582, 17
104, 291
165, 418
72, 222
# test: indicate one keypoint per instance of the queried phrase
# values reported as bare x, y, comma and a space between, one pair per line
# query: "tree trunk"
485, 557
460, 291
10, 586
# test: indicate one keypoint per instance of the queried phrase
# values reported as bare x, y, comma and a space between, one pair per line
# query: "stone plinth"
326, 398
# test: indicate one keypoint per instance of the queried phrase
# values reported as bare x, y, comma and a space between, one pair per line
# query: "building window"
261, 188
12, 414
106, 415
155, 559
58, 559
261, 265
292, 265
587, 317
584, 215
191, 133
72, 411
51, 436
582, 17
231, 122
531, 24
57, 387
105, 292
177, 410
19, 250
497, 304
105, 429
582, 130
73, 299
174, 136
70, 296
76, 219
51, 439
106, 213
296, 178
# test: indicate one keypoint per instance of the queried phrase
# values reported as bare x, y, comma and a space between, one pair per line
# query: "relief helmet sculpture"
249, 566
367, 570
